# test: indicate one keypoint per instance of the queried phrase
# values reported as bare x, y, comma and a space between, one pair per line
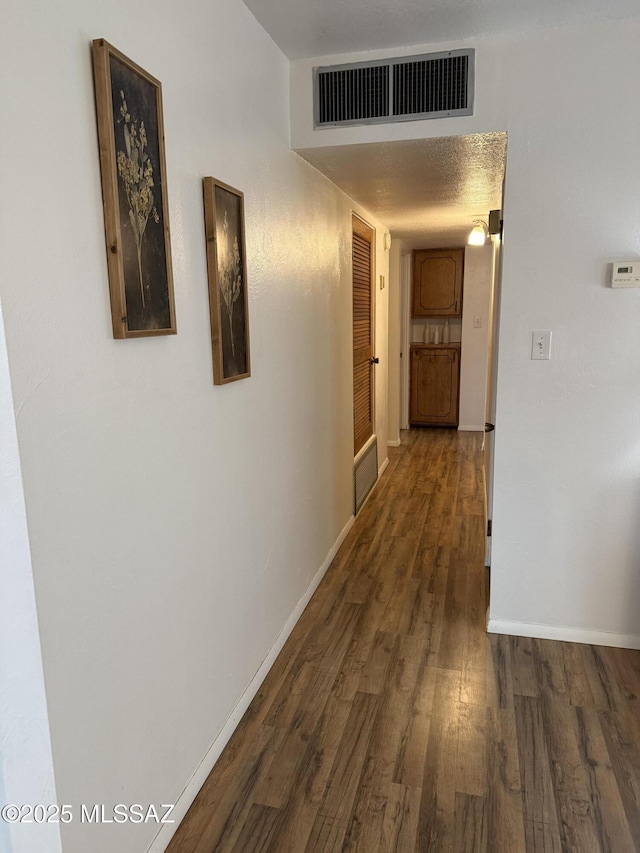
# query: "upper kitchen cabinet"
437, 282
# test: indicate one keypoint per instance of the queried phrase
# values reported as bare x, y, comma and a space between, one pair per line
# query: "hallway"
392, 722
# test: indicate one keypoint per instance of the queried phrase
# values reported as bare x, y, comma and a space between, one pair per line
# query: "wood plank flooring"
391, 722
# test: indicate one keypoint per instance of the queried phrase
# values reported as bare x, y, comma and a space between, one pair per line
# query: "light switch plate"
541, 346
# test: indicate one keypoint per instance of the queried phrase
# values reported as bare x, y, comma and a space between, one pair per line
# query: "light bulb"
478, 235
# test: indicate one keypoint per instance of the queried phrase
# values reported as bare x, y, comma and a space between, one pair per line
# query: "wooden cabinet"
437, 282
435, 384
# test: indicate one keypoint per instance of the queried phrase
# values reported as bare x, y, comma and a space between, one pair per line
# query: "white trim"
394, 443
467, 428
558, 632
188, 795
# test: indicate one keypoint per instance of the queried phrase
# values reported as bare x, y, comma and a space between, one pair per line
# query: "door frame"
405, 338
488, 446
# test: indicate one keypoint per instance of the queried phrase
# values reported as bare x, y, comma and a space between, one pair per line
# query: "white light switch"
541, 346
477, 321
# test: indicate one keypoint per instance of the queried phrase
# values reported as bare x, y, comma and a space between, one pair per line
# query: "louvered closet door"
362, 333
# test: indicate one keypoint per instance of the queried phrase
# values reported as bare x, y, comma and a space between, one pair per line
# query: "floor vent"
408, 88
365, 474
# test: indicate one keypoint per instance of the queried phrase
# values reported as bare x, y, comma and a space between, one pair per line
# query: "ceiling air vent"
353, 94
407, 88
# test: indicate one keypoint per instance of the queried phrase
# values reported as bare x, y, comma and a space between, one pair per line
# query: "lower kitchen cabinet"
435, 384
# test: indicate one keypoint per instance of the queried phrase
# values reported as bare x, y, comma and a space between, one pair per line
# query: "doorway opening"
429, 193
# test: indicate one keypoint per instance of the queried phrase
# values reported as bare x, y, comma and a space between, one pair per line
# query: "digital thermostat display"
623, 275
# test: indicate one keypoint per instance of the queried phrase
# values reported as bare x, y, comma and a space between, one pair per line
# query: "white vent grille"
407, 88
365, 474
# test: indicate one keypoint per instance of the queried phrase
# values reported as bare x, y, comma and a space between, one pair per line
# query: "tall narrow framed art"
227, 273
134, 193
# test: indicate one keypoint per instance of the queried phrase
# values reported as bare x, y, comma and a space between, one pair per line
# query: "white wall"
174, 525
478, 278
26, 766
566, 547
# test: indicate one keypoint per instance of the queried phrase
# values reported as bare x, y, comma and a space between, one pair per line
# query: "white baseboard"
568, 635
396, 443
382, 469
469, 428
188, 795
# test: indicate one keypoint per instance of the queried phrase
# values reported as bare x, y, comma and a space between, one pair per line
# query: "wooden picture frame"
227, 275
134, 194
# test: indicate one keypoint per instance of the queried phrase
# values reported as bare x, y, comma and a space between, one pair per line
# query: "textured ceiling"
304, 28
426, 191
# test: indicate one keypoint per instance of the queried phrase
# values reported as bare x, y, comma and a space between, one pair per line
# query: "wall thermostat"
625, 274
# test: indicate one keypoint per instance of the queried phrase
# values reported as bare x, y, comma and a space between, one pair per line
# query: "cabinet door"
435, 379
437, 282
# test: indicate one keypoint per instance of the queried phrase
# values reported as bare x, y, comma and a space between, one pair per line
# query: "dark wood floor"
392, 722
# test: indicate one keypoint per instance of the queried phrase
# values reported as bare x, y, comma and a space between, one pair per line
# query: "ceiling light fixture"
479, 233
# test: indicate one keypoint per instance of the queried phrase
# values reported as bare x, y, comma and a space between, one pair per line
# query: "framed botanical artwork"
227, 273
134, 194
